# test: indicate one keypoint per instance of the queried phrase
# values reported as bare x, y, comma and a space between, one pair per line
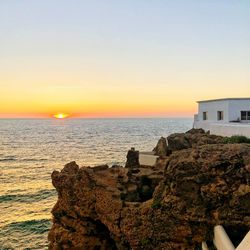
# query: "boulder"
178, 141
192, 138
132, 158
161, 148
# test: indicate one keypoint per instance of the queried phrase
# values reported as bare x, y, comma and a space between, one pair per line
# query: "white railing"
245, 243
222, 241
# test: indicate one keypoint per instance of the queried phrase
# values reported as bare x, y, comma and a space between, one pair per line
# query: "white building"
226, 117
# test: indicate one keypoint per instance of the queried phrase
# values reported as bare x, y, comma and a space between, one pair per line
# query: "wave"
32, 226
29, 234
34, 160
8, 159
40, 195
25, 160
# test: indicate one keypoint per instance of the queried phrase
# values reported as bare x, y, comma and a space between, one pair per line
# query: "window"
245, 115
220, 115
204, 116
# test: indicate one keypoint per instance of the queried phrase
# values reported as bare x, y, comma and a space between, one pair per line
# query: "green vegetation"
236, 139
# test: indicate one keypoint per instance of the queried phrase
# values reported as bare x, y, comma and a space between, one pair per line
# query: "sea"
30, 149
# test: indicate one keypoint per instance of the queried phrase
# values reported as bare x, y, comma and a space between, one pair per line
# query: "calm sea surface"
31, 149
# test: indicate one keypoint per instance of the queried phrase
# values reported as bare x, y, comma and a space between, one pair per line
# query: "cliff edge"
172, 205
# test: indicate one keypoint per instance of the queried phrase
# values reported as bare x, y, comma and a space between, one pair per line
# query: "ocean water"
30, 149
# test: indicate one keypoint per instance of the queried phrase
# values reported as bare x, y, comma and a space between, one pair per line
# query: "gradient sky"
101, 58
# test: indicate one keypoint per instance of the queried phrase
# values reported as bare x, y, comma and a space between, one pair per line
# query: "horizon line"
115, 117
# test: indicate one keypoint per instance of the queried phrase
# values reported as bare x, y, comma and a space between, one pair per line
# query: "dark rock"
161, 148
196, 131
71, 167
100, 168
115, 166
192, 138
132, 159
179, 141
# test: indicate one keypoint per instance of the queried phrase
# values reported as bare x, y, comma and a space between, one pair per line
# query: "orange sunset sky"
121, 58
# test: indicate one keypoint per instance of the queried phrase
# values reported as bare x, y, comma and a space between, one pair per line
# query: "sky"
115, 58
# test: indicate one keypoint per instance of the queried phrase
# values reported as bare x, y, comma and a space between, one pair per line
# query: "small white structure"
245, 243
226, 117
148, 158
222, 241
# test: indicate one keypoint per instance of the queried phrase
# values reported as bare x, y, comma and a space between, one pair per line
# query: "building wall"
231, 112
224, 129
235, 108
211, 108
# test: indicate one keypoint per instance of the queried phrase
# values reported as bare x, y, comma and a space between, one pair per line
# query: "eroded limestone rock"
132, 158
190, 139
173, 205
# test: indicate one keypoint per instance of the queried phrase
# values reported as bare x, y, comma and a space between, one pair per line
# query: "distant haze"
114, 58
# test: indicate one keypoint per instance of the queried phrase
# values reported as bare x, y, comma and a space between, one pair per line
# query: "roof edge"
224, 99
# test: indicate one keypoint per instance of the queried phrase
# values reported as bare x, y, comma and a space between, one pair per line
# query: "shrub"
236, 139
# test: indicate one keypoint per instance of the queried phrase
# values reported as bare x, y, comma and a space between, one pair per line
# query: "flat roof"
225, 99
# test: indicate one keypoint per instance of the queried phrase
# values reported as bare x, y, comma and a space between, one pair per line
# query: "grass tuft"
236, 139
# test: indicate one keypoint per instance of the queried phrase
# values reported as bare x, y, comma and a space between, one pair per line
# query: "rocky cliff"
172, 205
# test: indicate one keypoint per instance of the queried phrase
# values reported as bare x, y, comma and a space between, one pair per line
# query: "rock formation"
161, 148
173, 205
190, 139
132, 158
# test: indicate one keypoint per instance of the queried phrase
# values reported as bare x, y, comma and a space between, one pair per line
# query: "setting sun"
61, 116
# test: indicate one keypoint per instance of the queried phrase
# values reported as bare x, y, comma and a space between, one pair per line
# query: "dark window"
220, 115
243, 115
248, 115
204, 116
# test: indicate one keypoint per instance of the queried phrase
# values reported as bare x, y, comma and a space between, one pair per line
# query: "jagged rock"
199, 191
100, 167
161, 148
192, 138
173, 205
178, 141
132, 158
